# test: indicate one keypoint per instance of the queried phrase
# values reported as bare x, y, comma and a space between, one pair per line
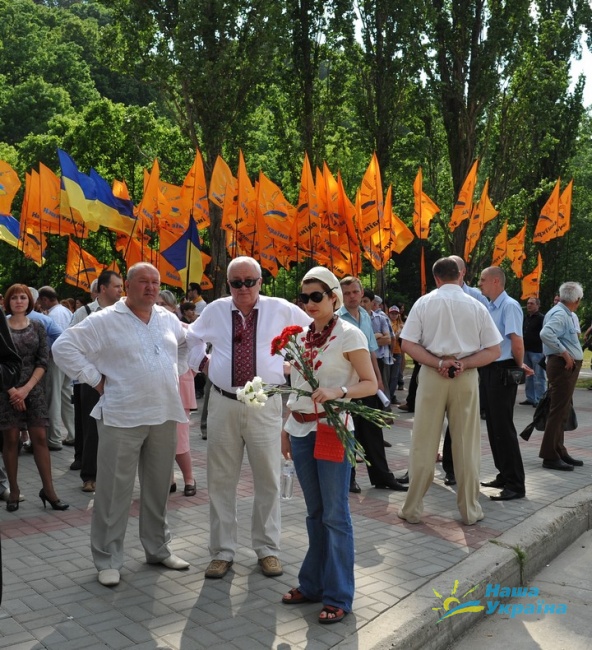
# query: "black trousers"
370, 437
86, 438
499, 415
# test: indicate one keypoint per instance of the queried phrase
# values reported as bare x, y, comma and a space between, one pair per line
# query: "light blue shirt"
52, 329
365, 325
559, 333
507, 316
475, 293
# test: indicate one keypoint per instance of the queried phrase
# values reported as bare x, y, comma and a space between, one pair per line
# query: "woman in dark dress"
24, 406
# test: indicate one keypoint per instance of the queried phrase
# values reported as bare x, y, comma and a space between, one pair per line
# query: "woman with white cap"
343, 370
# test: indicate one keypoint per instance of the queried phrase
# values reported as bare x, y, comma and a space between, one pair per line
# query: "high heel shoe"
55, 505
12, 506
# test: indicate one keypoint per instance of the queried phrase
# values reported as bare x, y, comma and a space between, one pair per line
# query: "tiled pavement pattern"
52, 598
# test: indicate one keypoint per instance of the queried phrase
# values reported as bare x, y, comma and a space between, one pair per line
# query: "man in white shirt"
240, 329
132, 353
451, 335
58, 384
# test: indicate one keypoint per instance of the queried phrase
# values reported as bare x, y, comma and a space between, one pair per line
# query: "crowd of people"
118, 374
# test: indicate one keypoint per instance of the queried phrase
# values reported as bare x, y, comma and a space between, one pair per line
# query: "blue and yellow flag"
109, 210
184, 254
9, 230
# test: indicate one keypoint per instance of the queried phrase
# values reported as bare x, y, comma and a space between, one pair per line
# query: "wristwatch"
344, 391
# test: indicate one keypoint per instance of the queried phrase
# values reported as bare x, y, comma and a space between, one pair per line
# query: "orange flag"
81, 267
371, 217
176, 217
547, 226
464, 203
52, 220
483, 212
273, 209
221, 177
516, 251
424, 209
31, 240
500, 246
347, 212
401, 234
531, 283
196, 193
306, 223
9, 186
564, 217
153, 204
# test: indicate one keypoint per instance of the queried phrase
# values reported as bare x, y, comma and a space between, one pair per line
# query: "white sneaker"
175, 562
109, 577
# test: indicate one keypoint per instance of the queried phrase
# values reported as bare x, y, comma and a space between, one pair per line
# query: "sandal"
190, 490
295, 597
332, 615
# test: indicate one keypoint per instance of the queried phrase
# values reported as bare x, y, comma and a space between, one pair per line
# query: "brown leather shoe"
89, 486
271, 566
217, 569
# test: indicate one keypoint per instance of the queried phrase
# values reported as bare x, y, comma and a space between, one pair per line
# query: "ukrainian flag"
185, 254
9, 230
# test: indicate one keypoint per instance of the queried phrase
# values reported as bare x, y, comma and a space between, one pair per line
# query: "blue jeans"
327, 572
536, 385
395, 370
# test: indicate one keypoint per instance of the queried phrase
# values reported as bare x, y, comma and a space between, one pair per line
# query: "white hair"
243, 259
571, 292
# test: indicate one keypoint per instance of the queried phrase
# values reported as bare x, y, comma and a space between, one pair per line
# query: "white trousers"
232, 426
150, 449
458, 398
59, 403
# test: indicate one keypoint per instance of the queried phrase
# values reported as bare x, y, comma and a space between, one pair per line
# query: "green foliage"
117, 83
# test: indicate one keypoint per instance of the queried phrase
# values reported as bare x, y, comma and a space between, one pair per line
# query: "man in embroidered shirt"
564, 353
240, 329
132, 353
447, 331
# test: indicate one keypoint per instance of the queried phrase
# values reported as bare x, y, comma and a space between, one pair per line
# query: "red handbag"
328, 446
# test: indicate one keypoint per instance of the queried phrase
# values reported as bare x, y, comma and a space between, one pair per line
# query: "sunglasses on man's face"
239, 284
315, 296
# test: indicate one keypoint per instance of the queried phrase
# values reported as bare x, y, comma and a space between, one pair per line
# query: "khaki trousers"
457, 398
232, 426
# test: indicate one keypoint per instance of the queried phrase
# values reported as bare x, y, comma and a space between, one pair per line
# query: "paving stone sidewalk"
52, 598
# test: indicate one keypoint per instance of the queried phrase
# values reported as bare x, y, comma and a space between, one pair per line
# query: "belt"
307, 417
224, 392
506, 363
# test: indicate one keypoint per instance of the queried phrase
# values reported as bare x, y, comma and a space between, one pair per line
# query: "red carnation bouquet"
306, 361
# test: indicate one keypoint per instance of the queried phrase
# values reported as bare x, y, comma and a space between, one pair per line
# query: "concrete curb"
412, 623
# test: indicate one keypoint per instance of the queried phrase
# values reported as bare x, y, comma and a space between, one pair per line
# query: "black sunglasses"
315, 296
238, 284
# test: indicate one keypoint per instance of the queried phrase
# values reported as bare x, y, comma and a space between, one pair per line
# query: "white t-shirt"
334, 370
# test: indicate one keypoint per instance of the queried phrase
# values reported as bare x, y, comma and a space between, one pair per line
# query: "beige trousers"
457, 398
232, 427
